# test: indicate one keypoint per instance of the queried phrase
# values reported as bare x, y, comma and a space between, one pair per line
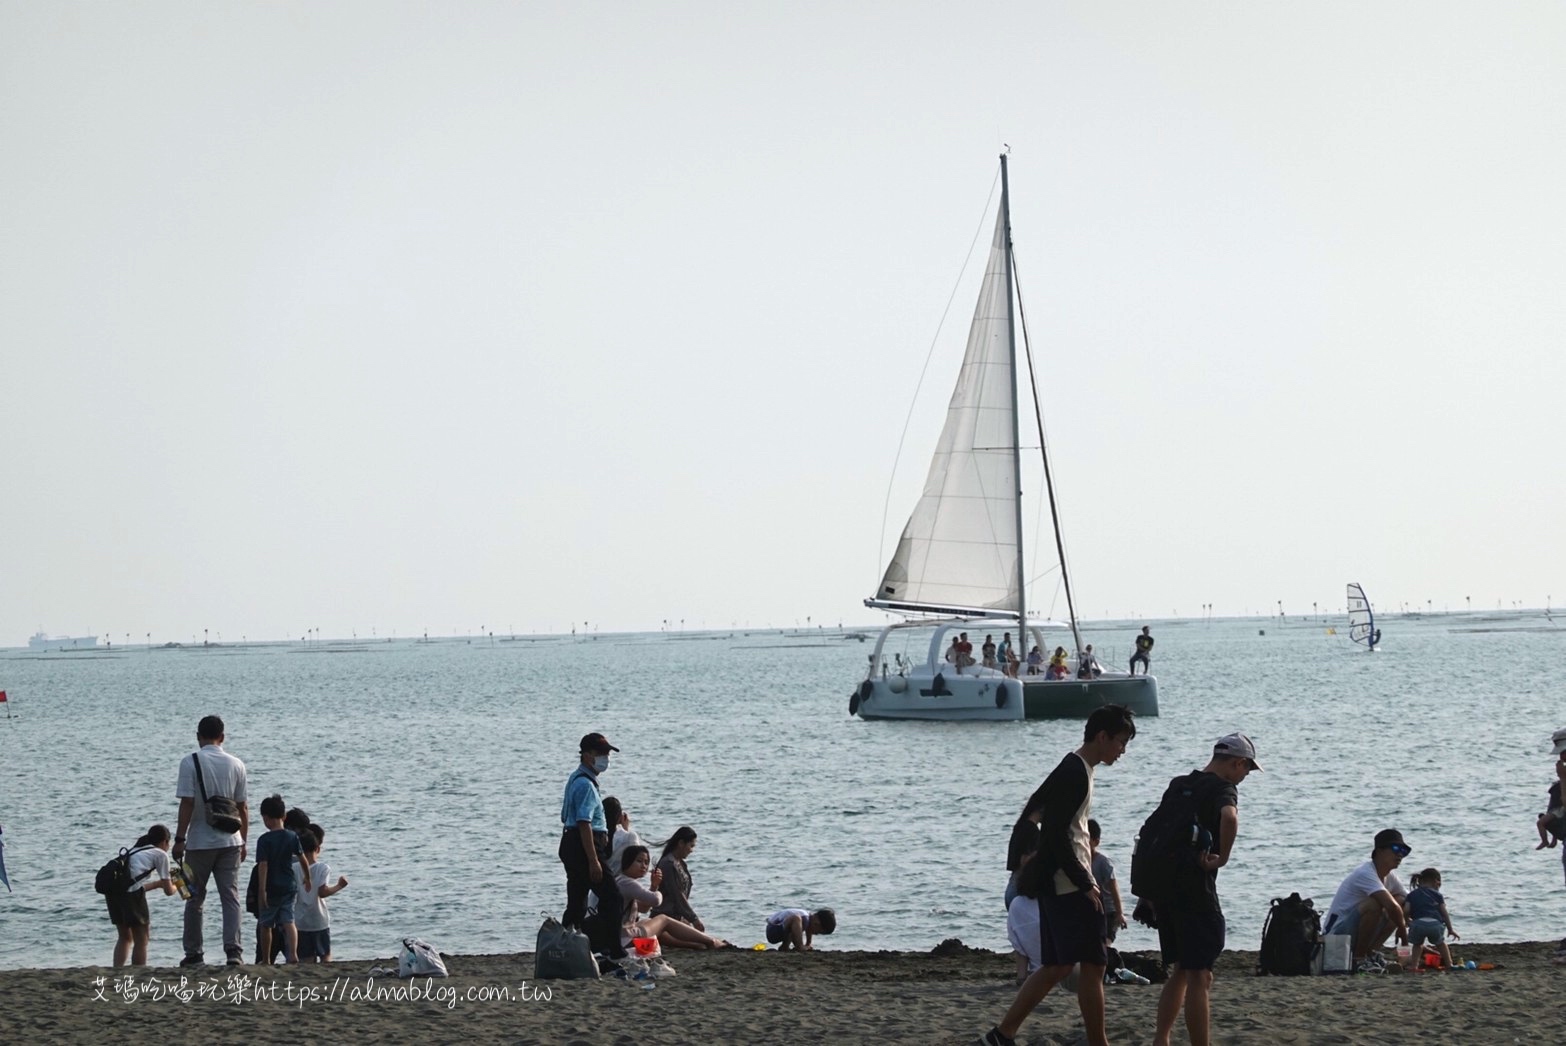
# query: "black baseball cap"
597, 743
1392, 839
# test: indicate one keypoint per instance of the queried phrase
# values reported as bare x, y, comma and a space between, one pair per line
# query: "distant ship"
43, 642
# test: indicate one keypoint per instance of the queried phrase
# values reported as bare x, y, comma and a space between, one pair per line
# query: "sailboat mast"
1049, 480
1016, 424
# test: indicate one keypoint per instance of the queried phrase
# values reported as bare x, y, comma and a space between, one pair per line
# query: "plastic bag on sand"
419, 959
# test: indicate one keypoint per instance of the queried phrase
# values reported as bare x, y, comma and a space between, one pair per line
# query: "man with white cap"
1190, 919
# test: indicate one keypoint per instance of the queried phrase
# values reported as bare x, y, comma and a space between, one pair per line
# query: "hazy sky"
407, 316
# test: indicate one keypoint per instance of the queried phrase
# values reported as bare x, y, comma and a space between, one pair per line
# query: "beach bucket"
1432, 960
646, 947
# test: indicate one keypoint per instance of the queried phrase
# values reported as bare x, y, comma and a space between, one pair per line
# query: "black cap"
1388, 838
597, 743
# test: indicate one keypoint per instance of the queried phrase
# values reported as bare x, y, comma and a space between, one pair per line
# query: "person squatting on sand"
1369, 903
793, 928
1108, 891
210, 853
1190, 919
149, 870
676, 886
671, 932
1059, 877
584, 851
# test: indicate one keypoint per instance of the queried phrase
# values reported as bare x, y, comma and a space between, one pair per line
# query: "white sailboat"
959, 565
1362, 619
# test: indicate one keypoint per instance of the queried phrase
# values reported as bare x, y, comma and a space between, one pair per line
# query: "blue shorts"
279, 914
315, 944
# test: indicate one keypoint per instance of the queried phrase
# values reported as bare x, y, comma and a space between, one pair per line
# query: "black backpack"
1291, 938
1171, 839
115, 877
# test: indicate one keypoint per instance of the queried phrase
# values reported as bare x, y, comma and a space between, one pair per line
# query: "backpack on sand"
115, 877
1291, 938
1171, 839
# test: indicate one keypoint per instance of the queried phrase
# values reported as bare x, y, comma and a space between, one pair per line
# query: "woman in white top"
671, 933
621, 834
149, 870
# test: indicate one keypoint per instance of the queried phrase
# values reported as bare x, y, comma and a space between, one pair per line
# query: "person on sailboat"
1005, 657
1144, 650
965, 652
1057, 664
1087, 664
987, 651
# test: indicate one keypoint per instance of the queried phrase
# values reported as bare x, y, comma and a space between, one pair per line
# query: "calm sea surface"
437, 768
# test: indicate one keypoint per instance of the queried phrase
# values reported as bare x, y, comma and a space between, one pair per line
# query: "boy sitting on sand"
793, 928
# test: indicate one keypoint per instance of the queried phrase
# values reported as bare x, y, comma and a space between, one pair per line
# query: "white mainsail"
959, 551
1362, 621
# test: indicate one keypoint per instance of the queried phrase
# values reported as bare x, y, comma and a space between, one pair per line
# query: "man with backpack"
1059, 877
214, 824
1195, 826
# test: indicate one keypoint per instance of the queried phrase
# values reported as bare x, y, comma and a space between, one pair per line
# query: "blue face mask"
600, 763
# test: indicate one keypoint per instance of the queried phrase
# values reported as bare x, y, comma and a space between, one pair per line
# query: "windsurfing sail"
1362, 621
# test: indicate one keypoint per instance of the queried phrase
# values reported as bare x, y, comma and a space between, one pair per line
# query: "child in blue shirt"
1427, 917
276, 884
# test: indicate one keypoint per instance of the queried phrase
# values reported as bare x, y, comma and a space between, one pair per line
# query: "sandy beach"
823, 997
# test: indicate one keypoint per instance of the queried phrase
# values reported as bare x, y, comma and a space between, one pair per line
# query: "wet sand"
756, 997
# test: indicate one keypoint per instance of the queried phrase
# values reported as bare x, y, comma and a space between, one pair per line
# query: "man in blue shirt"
584, 850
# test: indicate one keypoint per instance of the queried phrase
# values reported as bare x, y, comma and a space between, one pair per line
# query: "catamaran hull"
1077, 698
1000, 700
951, 699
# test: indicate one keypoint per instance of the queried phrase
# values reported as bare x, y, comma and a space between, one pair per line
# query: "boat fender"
1000, 696
938, 684
853, 703
865, 690
897, 684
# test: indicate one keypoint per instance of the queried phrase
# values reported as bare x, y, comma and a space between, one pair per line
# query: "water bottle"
179, 875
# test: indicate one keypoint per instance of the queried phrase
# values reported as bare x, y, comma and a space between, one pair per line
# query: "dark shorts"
128, 909
279, 914
315, 944
777, 933
1190, 940
1071, 931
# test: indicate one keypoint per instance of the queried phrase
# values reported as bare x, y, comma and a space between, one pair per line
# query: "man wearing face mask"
584, 850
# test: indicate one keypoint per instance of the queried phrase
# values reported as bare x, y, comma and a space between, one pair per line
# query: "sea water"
437, 768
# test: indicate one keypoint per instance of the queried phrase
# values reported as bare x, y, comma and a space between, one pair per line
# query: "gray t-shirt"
222, 774
1104, 874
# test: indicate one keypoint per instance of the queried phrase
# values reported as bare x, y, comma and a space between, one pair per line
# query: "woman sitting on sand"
671, 933
676, 885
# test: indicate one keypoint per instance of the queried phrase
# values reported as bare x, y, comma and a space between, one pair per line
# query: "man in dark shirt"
1190, 919
1071, 912
1144, 651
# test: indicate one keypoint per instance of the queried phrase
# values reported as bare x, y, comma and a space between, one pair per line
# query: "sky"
398, 317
